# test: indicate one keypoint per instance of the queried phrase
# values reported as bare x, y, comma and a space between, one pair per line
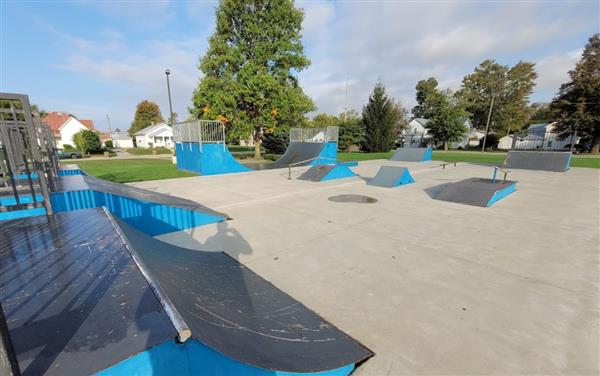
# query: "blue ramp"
207, 159
327, 172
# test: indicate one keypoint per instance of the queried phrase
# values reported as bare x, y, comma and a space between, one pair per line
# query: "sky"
93, 58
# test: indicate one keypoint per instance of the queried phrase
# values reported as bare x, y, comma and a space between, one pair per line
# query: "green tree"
382, 119
427, 93
323, 120
146, 114
577, 105
509, 87
87, 141
540, 113
250, 69
446, 121
352, 131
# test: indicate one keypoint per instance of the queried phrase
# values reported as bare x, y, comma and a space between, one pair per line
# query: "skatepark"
400, 266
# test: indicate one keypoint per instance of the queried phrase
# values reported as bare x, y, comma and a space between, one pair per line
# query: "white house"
121, 140
154, 136
539, 137
65, 126
416, 134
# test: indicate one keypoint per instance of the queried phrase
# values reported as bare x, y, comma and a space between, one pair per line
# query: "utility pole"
487, 124
167, 73
346, 102
108, 121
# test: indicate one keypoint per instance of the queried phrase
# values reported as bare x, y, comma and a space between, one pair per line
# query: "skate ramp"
107, 299
412, 155
476, 191
207, 159
557, 161
391, 177
234, 311
327, 172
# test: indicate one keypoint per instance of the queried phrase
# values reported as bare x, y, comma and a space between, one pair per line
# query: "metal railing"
443, 165
306, 161
316, 135
200, 131
496, 169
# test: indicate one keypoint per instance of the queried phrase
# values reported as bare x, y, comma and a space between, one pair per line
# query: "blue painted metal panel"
4, 216
338, 172
194, 358
349, 163
428, 155
28, 199
34, 176
328, 154
70, 172
406, 178
151, 218
211, 159
499, 195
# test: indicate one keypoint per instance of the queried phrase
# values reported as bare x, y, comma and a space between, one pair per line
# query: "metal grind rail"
503, 171
306, 161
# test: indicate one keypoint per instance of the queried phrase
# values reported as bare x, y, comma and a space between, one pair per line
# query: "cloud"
553, 70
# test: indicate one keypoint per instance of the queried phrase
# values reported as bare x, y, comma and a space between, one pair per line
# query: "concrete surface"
431, 287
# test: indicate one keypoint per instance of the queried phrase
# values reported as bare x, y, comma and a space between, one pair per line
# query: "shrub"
87, 141
108, 143
68, 147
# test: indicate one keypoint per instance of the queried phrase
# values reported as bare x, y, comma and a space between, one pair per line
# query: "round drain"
353, 198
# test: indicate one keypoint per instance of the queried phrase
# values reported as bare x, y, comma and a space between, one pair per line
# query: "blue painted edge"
349, 163
194, 358
568, 166
25, 199
499, 195
5, 216
24, 176
428, 155
405, 179
328, 154
338, 172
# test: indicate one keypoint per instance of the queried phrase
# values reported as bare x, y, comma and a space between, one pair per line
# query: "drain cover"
353, 198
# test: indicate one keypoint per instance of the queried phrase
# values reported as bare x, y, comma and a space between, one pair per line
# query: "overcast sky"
98, 58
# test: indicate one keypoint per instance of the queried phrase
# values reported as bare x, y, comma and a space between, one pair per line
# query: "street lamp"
167, 73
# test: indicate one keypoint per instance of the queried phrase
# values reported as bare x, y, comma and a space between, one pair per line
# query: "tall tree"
146, 114
250, 68
446, 120
426, 93
382, 118
577, 105
509, 87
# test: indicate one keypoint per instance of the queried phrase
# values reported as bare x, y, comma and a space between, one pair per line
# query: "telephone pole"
108, 121
346, 102
487, 124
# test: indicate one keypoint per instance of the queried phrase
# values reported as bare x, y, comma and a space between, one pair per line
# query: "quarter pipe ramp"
557, 161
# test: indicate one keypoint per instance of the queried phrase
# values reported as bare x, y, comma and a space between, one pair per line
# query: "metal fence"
200, 131
316, 135
416, 140
547, 141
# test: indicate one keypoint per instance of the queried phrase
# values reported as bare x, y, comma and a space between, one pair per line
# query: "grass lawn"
130, 170
590, 161
147, 151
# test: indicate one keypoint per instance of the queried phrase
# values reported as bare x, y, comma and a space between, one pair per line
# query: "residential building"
65, 126
121, 140
416, 134
154, 136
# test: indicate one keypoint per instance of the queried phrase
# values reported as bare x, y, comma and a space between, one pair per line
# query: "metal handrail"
302, 162
496, 169
443, 165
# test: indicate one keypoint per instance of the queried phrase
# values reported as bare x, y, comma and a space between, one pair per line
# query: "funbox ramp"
476, 191
326, 172
557, 161
115, 300
391, 176
412, 155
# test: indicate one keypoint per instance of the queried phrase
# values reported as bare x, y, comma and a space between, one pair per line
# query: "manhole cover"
353, 198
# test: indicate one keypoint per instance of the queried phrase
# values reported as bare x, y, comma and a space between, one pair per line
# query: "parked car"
69, 154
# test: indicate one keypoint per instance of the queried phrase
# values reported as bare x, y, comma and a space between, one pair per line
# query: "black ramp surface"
234, 311
556, 161
316, 173
473, 191
74, 299
298, 152
409, 154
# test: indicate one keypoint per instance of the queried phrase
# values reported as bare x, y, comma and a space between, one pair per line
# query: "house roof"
57, 119
421, 121
150, 129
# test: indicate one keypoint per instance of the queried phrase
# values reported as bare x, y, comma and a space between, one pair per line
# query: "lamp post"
167, 73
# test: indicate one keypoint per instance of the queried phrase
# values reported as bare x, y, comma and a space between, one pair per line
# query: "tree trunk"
445, 145
257, 138
596, 144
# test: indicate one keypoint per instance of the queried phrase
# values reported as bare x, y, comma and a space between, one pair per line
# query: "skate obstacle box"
412, 155
326, 172
391, 177
556, 161
478, 191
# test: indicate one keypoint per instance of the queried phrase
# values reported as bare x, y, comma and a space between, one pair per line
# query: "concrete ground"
431, 287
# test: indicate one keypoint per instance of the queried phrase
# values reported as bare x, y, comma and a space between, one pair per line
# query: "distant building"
154, 136
539, 137
65, 126
121, 140
416, 134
